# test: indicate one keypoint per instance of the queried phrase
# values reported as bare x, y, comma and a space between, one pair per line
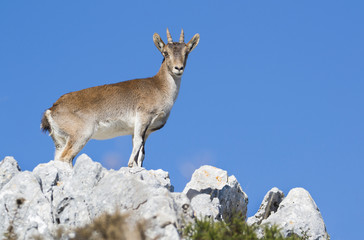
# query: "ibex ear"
158, 42
193, 42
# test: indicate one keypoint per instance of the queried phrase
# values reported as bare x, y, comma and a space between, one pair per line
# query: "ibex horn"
169, 37
182, 37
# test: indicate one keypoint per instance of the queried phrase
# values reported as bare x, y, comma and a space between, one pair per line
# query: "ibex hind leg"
73, 146
72, 139
58, 136
59, 143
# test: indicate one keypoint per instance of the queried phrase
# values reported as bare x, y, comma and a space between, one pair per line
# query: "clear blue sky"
273, 93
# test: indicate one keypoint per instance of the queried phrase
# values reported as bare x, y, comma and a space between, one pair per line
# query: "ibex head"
175, 53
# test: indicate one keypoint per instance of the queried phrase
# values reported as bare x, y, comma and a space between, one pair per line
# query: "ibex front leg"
139, 137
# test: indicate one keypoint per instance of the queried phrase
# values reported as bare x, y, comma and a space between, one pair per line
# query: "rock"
157, 178
214, 194
207, 177
51, 174
146, 193
92, 190
58, 181
73, 194
268, 206
298, 214
55, 195
23, 205
8, 169
232, 199
86, 175
182, 205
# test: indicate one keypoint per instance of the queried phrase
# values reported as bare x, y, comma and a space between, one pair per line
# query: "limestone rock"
55, 195
298, 214
182, 205
126, 190
8, 169
214, 194
51, 174
268, 206
23, 205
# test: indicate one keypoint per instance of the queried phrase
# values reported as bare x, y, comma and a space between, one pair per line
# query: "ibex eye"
165, 54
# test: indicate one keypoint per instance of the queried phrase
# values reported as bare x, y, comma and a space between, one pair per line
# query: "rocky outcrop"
214, 194
269, 205
55, 195
295, 214
8, 169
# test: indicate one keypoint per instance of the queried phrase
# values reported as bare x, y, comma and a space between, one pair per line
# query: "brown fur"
137, 107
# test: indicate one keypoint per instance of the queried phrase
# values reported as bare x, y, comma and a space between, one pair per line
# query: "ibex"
136, 107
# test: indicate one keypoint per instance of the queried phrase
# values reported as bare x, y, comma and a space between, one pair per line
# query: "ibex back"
136, 107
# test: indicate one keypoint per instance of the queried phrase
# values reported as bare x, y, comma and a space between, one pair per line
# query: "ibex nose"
178, 68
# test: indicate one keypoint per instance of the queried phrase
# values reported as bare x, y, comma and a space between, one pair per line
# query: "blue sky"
273, 93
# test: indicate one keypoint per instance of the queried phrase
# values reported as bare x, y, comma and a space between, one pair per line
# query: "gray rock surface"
268, 206
214, 194
8, 169
55, 195
23, 205
296, 214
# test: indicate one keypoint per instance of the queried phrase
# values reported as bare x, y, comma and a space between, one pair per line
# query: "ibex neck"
168, 82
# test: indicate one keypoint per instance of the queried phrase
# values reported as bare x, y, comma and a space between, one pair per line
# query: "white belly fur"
111, 129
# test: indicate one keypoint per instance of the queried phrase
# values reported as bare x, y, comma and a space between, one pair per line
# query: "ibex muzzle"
136, 107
